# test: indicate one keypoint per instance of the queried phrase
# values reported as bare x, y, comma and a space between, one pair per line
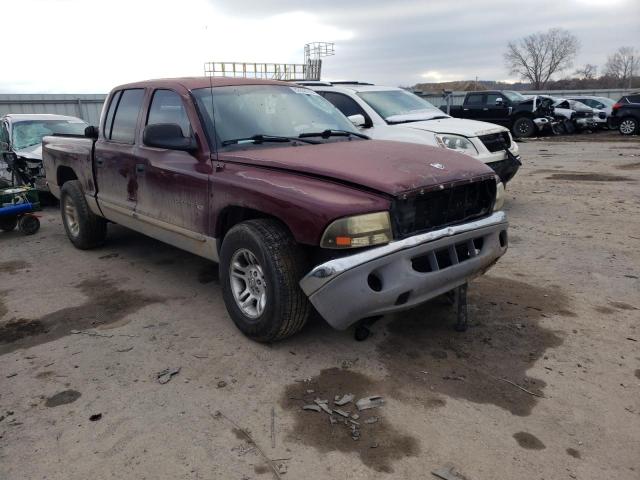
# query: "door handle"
485, 109
99, 162
139, 167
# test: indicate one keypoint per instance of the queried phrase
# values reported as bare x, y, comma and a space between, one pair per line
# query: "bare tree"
538, 56
587, 72
623, 65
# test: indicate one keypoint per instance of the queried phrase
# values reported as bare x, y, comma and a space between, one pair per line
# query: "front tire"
524, 127
260, 267
628, 126
85, 229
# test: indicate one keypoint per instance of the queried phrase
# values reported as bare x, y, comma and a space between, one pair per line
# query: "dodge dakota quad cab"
276, 185
504, 107
391, 113
21, 145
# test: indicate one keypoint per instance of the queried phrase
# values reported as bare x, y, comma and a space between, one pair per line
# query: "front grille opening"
403, 298
375, 282
435, 209
503, 238
496, 141
444, 259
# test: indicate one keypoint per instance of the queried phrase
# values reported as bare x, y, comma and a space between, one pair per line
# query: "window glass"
247, 110
348, 106
492, 97
634, 98
564, 104
514, 96
112, 108
475, 99
29, 133
126, 116
167, 107
388, 103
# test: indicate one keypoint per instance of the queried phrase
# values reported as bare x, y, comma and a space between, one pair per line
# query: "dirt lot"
544, 385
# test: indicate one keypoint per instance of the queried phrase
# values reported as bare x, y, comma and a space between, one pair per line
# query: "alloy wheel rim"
627, 126
248, 284
71, 217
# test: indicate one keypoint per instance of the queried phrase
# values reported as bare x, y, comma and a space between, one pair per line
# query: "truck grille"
422, 212
496, 141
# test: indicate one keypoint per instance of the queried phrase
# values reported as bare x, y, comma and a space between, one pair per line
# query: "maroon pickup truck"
272, 182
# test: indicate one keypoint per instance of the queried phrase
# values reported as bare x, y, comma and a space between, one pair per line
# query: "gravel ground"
545, 384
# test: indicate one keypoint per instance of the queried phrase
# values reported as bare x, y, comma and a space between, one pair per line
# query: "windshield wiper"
260, 138
333, 133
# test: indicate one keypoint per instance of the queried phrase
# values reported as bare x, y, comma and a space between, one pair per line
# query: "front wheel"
524, 127
85, 229
628, 126
260, 267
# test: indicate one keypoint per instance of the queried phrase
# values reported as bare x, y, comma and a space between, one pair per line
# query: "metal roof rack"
349, 82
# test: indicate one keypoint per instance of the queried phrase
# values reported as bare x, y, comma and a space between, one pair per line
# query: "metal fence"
84, 106
458, 97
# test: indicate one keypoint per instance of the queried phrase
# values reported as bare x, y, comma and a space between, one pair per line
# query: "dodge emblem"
439, 166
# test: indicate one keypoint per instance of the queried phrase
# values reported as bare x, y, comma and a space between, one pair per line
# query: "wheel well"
65, 174
233, 215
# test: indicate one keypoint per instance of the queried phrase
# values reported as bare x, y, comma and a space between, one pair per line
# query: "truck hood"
384, 166
32, 152
467, 128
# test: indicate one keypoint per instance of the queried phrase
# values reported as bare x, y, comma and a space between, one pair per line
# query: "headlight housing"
358, 231
499, 203
456, 142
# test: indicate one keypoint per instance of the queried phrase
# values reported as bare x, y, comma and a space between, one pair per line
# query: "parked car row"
528, 115
300, 208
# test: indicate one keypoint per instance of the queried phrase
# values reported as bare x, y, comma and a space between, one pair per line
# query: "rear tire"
524, 127
29, 224
628, 126
260, 267
85, 229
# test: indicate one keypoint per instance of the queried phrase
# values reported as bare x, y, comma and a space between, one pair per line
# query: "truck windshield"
31, 132
514, 96
388, 103
262, 111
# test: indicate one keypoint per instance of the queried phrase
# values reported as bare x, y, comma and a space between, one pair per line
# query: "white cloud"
68, 47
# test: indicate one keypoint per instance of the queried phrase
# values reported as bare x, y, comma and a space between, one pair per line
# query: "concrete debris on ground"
340, 401
370, 402
313, 408
165, 375
448, 472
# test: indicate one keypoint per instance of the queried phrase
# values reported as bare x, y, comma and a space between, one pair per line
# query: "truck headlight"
358, 231
499, 203
457, 143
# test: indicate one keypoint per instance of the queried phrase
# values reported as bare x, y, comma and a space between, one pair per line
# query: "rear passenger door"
473, 106
116, 153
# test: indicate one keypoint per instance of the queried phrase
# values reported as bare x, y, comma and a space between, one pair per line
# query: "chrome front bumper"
405, 273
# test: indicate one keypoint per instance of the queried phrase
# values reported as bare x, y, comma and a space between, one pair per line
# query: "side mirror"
169, 136
91, 132
4, 147
499, 101
358, 120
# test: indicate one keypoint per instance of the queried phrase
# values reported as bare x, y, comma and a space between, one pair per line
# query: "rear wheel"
524, 127
628, 126
260, 267
85, 229
29, 224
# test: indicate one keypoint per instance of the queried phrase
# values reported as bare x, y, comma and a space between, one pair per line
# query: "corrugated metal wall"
458, 97
85, 106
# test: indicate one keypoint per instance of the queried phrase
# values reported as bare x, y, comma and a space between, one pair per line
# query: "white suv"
389, 113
